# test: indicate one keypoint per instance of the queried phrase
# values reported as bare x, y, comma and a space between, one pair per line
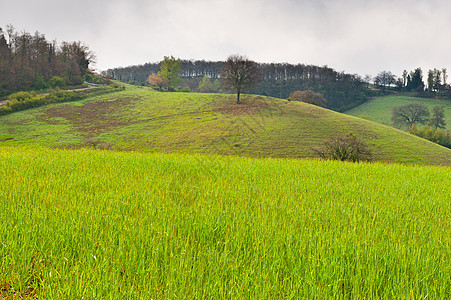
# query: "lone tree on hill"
410, 114
239, 73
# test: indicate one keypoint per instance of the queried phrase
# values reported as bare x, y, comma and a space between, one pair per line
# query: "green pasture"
96, 224
140, 119
380, 109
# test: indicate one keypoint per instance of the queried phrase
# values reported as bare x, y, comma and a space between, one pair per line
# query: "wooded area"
32, 62
341, 90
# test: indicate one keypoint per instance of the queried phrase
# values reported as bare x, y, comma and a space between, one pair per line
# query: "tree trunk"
238, 97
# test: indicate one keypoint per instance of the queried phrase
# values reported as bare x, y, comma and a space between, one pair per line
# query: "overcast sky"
355, 36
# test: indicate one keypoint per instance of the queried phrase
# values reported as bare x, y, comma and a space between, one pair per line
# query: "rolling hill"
89, 223
380, 109
141, 119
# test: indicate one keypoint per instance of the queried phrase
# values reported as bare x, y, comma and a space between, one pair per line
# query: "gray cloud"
356, 36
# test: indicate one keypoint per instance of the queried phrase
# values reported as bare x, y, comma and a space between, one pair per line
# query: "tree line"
342, 91
32, 62
436, 81
414, 114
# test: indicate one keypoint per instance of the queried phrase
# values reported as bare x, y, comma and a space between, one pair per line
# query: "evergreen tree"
416, 81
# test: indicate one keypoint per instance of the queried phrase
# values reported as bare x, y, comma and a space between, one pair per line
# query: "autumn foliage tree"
308, 97
157, 81
239, 73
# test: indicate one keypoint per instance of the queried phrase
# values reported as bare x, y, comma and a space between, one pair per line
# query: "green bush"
39, 83
21, 96
5, 109
438, 136
95, 79
57, 81
24, 100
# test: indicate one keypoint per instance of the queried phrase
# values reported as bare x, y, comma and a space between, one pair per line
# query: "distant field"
380, 109
140, 119
94, 224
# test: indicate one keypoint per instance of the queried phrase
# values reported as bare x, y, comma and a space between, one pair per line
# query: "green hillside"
92, 224
141, 119
380, 109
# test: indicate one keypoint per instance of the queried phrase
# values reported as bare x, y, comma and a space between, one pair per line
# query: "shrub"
344, 148
91, 78
57, 81
441, 137
308, 97
366, 117
39, 83
24, 100
21, 96
5, 109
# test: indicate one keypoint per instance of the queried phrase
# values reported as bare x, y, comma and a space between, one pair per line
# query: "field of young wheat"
96, 224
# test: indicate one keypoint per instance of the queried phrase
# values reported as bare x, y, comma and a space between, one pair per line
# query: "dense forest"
32, 62
341, 90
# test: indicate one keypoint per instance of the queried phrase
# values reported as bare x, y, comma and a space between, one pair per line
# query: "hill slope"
144, 120
380, 109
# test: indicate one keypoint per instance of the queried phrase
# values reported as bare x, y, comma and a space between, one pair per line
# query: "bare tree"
344, 148
385, 79
410, 114
438, 118
367, 79
239, 73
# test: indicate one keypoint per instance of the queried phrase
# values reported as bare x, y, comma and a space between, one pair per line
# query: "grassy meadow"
380, 109
96, 224
140, 119
138, 194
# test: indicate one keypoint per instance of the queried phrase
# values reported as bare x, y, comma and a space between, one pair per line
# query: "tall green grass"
98, 224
